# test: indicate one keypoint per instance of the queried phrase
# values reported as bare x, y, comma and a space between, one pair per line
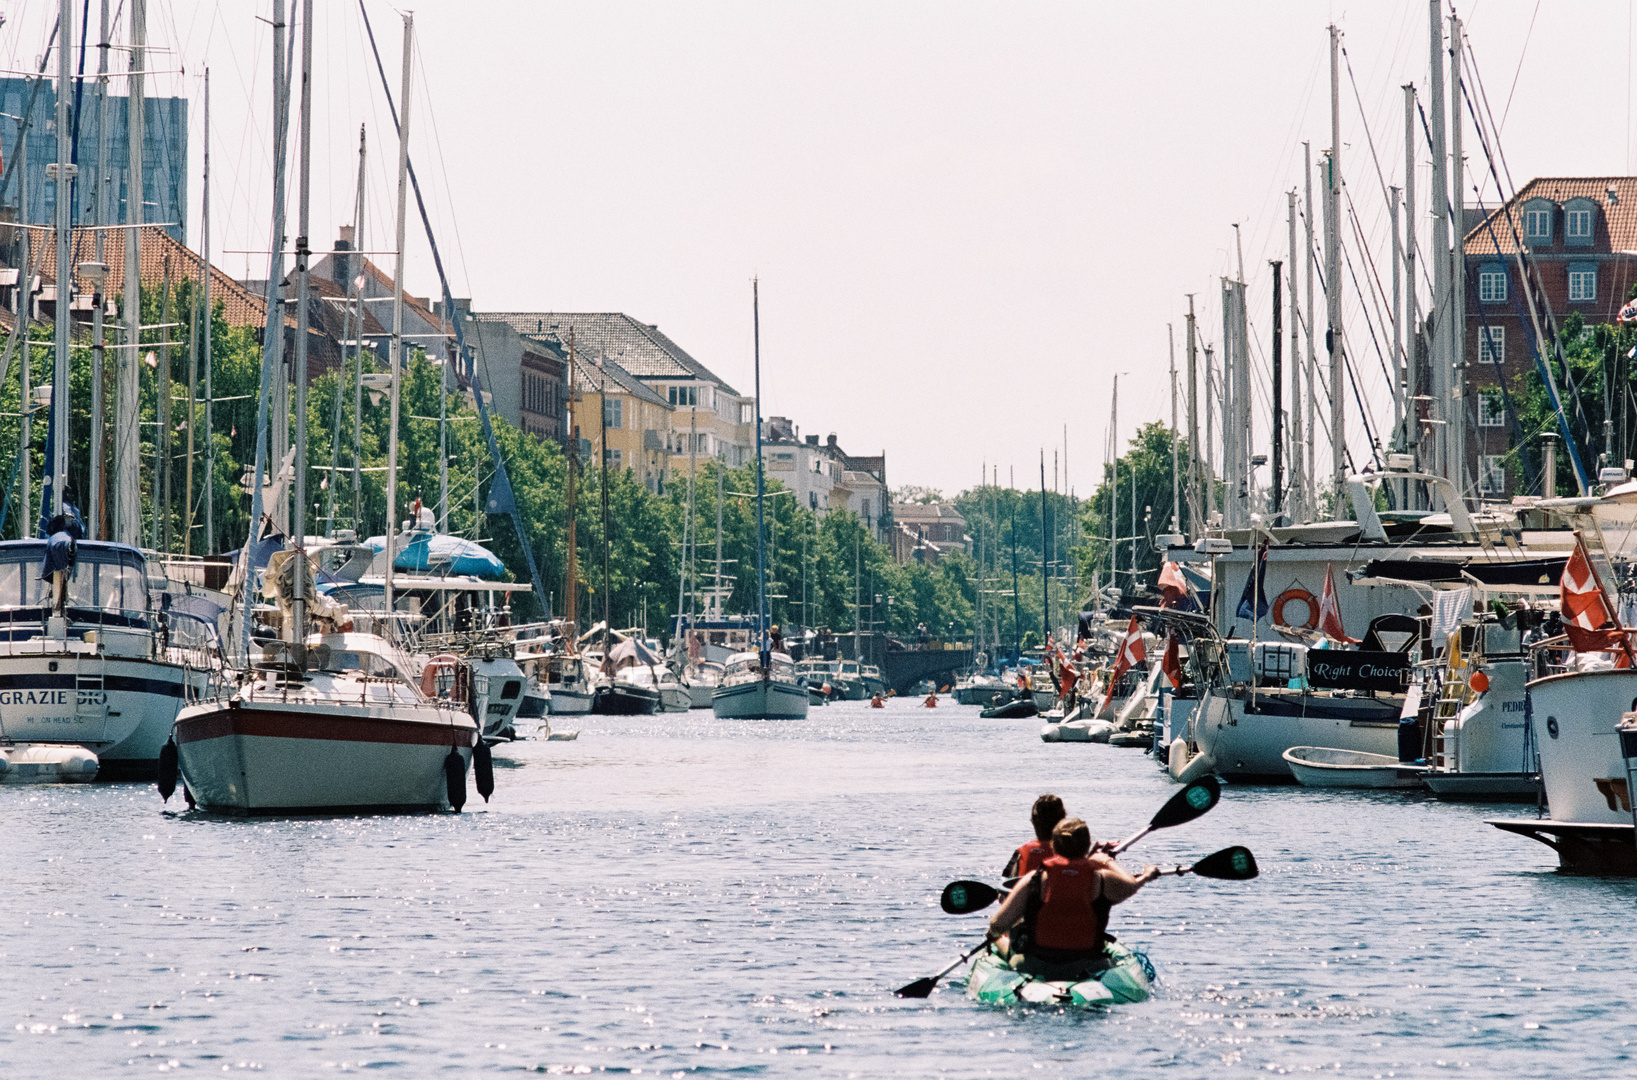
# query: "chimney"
341, 265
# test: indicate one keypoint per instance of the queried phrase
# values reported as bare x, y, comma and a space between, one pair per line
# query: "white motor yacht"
673, 696
750, 692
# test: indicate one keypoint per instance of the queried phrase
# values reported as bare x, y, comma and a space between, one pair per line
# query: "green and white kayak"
1125, 981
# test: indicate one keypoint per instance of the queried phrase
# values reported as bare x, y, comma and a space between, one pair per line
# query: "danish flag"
1587, 617
1171, 663
1131, 654
1330, 610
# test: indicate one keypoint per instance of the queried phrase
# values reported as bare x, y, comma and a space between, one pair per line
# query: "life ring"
437, 666
1312, 602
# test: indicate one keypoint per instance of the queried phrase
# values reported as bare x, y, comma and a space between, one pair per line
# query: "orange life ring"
429, 676
1312, 602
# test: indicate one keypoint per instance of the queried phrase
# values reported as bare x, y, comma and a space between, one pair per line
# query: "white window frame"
1491, 344
1491, 408
612, 458
1543, 218
1492, 474
1572, 218
1492, 286
1582, 286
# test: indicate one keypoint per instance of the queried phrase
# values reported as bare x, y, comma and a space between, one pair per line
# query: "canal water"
679, 896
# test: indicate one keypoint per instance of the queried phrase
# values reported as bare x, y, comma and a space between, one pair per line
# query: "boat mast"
571, 557
347, 337
204, 305
1412, 328
1045, 594
1456, 340
272, 333
97, 496
298, 525
1176, 488
127, 407
356, 295
398, 305
1332, 281
1298, 479
602, 474
765, 644
1114, 494
65, 271
1278, 440
1310, 485
1196, 482
716, 588
25, 399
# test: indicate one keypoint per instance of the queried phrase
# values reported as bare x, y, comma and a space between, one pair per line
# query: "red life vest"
1069, 918
1029, 857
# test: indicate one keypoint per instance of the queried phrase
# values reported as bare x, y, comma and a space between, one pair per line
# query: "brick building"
1580, 237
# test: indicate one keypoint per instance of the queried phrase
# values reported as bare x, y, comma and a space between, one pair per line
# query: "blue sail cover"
439, 551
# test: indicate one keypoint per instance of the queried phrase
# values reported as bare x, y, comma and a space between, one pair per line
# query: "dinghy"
1320, 766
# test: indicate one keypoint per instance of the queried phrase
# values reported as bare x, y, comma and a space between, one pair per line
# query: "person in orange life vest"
1063, 908
1044, 816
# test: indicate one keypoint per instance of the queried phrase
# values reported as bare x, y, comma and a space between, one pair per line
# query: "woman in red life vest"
1063, 908
1047, 812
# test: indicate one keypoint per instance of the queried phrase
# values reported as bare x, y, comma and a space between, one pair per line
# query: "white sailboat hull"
1575, 716
268, 756
566, 702
765, 699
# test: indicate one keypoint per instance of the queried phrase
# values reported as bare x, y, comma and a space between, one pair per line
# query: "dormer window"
1537, 226
1578, 224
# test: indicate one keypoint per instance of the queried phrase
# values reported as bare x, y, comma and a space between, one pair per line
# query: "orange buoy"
1479, 682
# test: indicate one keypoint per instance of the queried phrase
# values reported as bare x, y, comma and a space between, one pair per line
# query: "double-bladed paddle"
1229, 864
1186, 805
963, 897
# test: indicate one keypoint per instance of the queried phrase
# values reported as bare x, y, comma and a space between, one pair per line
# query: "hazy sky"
966, 217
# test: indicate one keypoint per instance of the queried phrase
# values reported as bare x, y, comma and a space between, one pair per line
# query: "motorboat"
46, 763
673, 696
847, 681
749, 691
562, 676
341, 725
701, 679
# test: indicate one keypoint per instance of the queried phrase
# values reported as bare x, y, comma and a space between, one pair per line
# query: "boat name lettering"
1358, 670
1511, 706
34, 697
497, 708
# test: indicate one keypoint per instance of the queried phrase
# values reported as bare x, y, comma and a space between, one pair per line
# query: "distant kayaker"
1063, 908
877, 703
931, 701
1043, 817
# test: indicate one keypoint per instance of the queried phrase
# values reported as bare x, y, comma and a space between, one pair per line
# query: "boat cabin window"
366, 663
1499, 641
103, 580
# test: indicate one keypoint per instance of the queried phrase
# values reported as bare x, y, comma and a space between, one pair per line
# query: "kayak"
1125, 981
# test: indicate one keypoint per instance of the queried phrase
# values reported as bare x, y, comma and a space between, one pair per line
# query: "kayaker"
931, 701
1063, 908
877, 703
1043, 817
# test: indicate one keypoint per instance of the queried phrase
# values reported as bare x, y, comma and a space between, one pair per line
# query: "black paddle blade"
1192, 801
964, 897
920, 988
1229, 864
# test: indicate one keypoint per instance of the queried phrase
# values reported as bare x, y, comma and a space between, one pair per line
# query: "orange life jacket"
1028, 858
1070, 918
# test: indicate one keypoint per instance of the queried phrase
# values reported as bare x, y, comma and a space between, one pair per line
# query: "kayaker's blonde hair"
1072, 838
1046, 813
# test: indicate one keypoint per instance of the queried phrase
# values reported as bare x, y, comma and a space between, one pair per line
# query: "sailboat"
331, 720
760, 685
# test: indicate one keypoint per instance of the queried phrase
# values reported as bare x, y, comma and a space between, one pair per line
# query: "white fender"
1176, 759
1198, 766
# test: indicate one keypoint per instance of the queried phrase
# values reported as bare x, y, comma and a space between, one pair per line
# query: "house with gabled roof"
1578, 239
706, 414
613, 409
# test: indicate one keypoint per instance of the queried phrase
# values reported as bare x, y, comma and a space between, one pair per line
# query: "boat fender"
1177, 759
454, 778
483, 769
1296, 594
1198, 766
167, 770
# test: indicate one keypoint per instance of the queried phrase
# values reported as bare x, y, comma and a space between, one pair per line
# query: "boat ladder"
1453, 696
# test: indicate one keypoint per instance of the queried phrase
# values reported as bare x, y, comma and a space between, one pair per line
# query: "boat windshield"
105, 579
849, 667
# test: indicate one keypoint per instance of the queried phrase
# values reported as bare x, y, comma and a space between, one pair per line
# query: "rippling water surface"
682, 896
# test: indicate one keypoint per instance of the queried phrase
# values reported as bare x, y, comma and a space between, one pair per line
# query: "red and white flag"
1330, 610
1171, 662
1132, 653
1173, 586
1588, 618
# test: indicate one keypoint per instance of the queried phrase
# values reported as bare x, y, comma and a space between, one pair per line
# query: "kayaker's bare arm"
1117, 884
1014, 906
